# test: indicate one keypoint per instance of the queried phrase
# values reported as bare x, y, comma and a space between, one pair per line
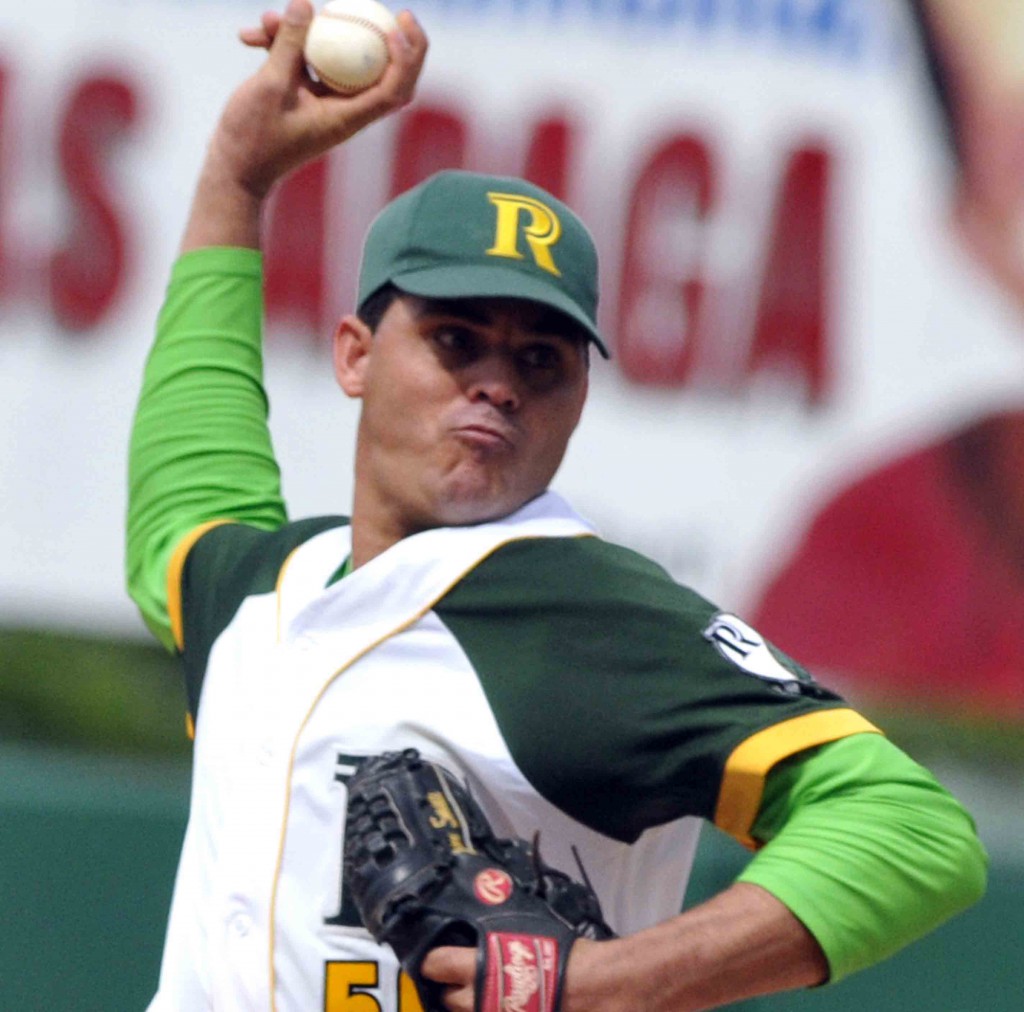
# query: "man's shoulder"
586, 562
250, 558
230, 564
571, 572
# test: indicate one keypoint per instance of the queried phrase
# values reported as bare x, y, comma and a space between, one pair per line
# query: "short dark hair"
372, 311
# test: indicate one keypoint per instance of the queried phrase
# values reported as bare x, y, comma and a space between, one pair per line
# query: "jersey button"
265, 754
240, 923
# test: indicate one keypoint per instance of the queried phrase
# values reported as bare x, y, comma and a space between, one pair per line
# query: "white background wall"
714, 477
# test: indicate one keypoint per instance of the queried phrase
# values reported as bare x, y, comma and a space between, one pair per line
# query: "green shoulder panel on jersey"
617, 693
227, 564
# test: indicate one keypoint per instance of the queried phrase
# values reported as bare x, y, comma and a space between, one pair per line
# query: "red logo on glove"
492, 886
521, 973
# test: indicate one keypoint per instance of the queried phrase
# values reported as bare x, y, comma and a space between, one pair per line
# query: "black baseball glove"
425, 869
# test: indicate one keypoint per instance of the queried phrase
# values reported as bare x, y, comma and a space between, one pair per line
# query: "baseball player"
466, 611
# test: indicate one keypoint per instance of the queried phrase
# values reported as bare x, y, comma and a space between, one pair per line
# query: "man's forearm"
739, 944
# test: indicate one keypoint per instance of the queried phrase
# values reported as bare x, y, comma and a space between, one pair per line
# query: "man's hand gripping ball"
425, 869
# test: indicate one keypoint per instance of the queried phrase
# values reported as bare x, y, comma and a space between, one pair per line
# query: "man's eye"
457, 340
541, 356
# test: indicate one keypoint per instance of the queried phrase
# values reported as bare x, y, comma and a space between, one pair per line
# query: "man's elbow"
145, 582
970, 861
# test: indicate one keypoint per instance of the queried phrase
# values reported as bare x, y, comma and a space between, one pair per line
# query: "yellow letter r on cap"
542, 232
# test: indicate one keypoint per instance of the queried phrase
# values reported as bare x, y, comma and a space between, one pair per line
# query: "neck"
373, 531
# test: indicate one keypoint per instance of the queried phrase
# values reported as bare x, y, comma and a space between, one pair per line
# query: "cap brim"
493, 281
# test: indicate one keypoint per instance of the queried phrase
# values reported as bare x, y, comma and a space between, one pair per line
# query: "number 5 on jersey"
346, 983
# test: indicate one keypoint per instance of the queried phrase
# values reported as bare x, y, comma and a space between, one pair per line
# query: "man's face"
468, 406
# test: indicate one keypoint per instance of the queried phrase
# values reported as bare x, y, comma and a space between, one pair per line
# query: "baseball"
347, 44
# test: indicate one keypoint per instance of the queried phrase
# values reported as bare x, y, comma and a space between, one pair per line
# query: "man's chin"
466, 510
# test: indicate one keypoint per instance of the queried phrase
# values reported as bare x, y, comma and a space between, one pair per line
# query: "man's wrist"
225, 212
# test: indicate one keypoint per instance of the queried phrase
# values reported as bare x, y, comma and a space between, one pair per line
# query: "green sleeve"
200, 446
866, 849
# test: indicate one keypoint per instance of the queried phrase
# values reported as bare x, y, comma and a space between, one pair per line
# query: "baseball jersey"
580, 690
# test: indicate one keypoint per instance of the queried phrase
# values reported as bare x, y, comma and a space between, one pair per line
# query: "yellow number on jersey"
344, 981
340, 984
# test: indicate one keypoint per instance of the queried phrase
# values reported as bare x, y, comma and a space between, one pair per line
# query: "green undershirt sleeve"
865, 848
200, 446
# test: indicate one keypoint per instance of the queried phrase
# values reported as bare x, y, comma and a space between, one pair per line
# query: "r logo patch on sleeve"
746, 648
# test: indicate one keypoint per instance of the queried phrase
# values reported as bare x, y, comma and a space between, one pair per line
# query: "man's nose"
494, 379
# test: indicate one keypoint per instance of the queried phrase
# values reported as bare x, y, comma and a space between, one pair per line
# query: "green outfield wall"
87, 854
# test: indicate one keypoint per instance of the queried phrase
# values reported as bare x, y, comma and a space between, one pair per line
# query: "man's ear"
353, 341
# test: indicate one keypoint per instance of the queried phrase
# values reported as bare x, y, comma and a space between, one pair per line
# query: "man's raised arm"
200, 450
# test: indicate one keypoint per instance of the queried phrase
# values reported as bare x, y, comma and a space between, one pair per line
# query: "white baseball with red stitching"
347, 44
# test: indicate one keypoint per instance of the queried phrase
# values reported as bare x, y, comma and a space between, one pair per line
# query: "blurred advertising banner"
814, 411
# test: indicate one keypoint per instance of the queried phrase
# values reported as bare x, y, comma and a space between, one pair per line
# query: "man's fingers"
407, 49
458, 999
313, 119
262, 36
450, 964
286, 56
256, 38
270, 22
456, 967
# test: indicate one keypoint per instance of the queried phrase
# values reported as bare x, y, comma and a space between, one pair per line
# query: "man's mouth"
486, 436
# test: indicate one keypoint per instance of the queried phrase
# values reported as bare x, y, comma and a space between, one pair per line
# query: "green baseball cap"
467, 235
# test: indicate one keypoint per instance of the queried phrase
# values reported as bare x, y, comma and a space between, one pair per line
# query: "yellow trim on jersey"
277, 589
175, 567
748, 766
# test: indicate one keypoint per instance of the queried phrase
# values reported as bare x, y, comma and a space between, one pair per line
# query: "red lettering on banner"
88, 272
667, 329
663, 288
791, 326
429, 138
295, 275
549, 155
7, 262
